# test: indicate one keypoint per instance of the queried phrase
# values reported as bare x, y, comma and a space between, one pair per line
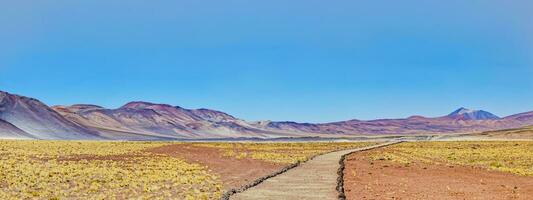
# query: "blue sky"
299, 60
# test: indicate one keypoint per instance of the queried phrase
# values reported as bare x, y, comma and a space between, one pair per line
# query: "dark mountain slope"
9, 131
38, 120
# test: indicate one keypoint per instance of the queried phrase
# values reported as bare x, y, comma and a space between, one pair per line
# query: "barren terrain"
232, 172
367, 178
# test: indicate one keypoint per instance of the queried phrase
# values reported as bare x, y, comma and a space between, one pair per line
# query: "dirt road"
314, 179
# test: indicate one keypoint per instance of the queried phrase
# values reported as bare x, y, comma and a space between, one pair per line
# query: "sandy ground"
232, 172
365, 179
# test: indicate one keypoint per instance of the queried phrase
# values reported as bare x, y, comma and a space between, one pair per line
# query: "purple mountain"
24, 118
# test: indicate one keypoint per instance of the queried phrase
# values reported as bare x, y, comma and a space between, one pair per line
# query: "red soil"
366, 179
233, 172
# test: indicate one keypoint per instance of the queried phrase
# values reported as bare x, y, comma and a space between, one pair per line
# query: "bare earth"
365, 179
233, 172
314, 179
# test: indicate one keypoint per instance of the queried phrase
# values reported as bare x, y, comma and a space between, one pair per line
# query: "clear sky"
297, 60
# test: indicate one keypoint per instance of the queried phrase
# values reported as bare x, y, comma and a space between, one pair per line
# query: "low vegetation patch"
99, 170
514, 157
283, 153
126, 170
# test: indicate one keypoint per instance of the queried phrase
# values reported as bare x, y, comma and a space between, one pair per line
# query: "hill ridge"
140, 120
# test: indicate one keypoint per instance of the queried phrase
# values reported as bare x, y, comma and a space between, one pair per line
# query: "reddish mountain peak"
6, 95
159, 108
77, 108
416, 117
87, 106
141, 105
212, 115
7, 98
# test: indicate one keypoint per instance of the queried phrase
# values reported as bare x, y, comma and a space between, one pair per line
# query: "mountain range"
28, 118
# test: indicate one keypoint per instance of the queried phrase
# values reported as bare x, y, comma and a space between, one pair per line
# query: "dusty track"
314, 179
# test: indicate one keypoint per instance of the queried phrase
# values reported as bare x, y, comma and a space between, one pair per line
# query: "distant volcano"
468, 114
